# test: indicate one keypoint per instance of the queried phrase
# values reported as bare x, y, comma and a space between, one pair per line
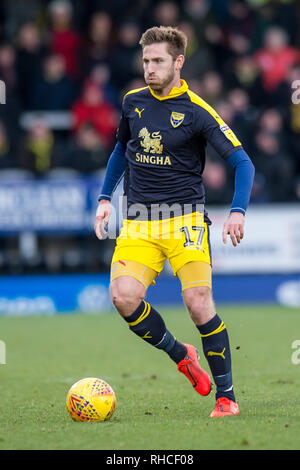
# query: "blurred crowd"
76, 59
81, 57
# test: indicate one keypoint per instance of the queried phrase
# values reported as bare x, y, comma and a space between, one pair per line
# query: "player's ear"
179, 62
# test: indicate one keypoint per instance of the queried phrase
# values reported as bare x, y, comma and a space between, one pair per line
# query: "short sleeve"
218, 134
209, 124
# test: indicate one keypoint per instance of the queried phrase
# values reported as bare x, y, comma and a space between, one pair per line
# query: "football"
91, 399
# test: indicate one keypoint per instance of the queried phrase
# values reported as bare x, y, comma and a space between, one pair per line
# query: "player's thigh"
131, 274
189, 252
195, 274
128, 286
140, 258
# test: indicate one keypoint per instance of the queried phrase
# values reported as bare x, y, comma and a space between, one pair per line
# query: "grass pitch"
156, 405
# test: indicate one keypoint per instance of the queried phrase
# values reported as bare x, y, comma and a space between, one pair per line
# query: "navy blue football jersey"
165, 139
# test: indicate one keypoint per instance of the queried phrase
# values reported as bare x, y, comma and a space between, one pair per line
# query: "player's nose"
151, 69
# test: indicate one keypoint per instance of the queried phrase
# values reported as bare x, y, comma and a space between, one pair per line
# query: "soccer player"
160, 150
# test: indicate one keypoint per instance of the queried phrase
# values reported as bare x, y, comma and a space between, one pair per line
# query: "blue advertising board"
48, 205
78, 293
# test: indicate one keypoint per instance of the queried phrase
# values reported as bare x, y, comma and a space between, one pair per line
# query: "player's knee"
126, 294
199, 303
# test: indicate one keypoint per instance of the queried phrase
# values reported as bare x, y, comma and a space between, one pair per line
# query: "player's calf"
215, 341
199, 303
216, 348
148, 324
143, 320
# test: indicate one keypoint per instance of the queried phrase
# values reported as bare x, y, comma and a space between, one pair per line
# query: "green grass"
156, 406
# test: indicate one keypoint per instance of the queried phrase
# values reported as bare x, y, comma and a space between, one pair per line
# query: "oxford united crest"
176, 119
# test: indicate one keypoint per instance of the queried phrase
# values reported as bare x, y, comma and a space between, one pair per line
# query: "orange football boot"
190, 367
225, 407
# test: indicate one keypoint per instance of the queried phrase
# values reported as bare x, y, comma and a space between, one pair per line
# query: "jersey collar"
176, 91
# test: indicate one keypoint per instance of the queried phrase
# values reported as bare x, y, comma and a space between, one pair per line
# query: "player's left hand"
234, 226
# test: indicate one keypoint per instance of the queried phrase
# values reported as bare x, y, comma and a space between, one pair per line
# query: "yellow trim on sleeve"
228, 132
136, 90
200, 102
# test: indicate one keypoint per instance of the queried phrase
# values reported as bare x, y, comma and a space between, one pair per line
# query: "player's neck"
167, 90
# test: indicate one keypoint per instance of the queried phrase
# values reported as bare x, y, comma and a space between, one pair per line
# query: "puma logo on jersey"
213, 353
139, 112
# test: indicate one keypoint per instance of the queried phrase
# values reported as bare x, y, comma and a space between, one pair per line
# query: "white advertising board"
271, 242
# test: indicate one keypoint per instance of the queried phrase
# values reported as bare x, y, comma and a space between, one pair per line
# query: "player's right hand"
102, 217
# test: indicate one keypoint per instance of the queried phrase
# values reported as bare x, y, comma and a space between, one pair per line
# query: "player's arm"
227, 145
114, 172
244, 175
113, 175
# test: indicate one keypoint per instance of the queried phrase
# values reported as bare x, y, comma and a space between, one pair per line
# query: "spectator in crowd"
216, 180
245, 74
202, 15
141, 11
7, 155
10, 112
2, 22
101, 76
274, 166
195, 84
240, 18
271, 120
212, 87
244, 115
53, 90
238, 46
132, 85
8, 71
99, 41
198, 58
275, 58
93, 108
86, 153
199, 13
19, 12
30, 53
166, 13
294, 121
288, 100
64, 40
123, 65
40, 151
225, 109
282, 13
237, 30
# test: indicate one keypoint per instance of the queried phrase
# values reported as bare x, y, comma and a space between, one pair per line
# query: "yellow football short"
143, 247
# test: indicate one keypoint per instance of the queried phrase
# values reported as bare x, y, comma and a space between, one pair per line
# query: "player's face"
160, 68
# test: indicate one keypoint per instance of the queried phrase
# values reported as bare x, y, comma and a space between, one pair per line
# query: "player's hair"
176, 40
